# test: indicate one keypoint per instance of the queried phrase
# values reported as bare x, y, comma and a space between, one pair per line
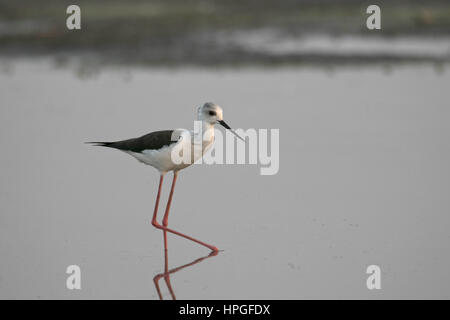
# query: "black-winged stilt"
155, 149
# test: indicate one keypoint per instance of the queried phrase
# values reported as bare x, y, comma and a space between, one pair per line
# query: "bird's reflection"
167, 272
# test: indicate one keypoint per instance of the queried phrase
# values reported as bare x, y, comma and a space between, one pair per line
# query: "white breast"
161, 159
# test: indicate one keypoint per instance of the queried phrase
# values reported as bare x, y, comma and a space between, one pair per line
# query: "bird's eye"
212, 113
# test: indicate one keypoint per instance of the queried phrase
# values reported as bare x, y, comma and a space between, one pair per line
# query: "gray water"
275, 43
364, 179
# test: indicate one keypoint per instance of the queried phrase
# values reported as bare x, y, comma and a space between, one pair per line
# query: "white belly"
161, 159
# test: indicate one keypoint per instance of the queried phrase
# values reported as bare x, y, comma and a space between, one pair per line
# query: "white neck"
207, 131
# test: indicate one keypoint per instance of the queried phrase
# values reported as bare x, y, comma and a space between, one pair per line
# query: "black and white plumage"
155, 149
151, 141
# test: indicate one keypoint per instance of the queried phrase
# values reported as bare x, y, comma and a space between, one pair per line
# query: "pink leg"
155, 212
169, 202
166, 216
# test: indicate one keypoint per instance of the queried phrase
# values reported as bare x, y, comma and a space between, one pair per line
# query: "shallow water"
364, 179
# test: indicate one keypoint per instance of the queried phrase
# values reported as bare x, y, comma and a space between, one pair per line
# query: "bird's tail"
101, 144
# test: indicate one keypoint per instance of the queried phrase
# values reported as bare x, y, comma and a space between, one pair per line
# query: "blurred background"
364, 155
234, 32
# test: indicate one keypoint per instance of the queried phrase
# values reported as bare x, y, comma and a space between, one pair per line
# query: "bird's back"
151, 141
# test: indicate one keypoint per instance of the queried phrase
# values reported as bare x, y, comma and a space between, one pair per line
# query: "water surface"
364, 179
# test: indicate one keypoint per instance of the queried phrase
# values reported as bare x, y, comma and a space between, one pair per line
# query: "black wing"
152, 141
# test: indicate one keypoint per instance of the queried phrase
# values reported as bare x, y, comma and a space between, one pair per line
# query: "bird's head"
212, 114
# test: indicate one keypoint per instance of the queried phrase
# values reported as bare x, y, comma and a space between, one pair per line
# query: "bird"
158, 148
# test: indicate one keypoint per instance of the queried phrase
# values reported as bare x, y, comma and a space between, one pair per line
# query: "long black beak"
224, 124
